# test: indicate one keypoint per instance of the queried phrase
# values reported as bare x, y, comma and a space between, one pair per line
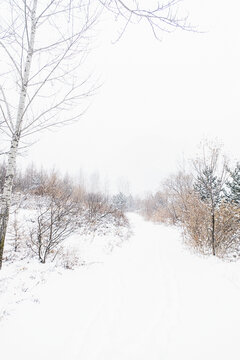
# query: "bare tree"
44, 42
56, 218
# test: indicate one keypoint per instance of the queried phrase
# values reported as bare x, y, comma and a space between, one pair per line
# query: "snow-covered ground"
148, 299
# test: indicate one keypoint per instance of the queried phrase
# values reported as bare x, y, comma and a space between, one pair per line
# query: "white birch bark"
11, 166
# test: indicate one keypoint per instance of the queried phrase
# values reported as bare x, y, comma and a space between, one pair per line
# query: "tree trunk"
213, 234
11, 167
7, 192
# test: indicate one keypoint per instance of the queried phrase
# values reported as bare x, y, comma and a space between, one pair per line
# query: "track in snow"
149, 300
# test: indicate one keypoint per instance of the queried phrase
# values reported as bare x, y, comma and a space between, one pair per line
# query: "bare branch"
161, 18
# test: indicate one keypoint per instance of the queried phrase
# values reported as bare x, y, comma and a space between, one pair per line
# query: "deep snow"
149, 299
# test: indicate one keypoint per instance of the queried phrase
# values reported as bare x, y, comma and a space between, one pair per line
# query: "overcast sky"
158, 100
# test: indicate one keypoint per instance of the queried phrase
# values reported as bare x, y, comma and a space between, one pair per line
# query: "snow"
148, 299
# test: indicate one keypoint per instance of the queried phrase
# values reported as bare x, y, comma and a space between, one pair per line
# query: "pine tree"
120, 201
208, 186
233, 186
210, 189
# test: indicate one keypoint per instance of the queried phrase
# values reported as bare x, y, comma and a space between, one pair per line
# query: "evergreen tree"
233, 186
120, 201
210, 189
208, 186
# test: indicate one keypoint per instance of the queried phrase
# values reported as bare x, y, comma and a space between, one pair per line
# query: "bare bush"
69, 259
156, 207
228, 231
56, 218
170, 203
101, 214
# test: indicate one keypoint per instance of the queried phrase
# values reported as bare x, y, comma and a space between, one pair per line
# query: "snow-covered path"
150, 300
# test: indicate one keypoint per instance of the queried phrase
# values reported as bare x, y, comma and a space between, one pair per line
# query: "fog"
156, 102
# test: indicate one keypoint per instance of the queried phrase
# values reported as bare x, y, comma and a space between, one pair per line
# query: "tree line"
57, 207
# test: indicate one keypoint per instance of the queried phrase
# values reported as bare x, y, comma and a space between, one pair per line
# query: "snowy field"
149, 299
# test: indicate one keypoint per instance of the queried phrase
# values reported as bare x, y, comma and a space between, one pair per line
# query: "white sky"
158, 101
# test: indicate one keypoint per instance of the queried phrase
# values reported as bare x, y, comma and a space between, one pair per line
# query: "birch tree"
42, 46
43, 43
